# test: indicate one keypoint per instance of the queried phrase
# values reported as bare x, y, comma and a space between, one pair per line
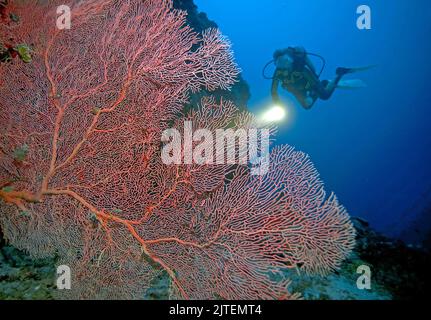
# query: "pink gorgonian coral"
81, 175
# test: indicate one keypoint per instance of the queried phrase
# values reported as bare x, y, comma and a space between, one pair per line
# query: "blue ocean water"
372, 145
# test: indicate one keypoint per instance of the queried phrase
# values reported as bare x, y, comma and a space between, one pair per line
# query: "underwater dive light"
275, 114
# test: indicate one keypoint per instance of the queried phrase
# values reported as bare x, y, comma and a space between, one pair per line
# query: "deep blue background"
371, 146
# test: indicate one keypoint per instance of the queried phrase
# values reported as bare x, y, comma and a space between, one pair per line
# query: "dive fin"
351, 84
343, 71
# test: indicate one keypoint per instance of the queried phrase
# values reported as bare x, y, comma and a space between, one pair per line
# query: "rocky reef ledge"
398, 271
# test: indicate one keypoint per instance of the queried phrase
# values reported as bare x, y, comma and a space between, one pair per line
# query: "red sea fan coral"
81, 174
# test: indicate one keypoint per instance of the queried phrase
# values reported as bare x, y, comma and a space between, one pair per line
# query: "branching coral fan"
81, 175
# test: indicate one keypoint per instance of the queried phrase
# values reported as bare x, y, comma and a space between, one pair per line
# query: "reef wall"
240, 92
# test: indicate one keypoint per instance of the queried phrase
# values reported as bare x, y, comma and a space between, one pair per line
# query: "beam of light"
275, 114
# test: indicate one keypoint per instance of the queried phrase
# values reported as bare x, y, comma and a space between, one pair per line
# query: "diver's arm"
274, 88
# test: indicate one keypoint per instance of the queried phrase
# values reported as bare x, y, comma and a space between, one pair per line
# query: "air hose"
264, 69
308, 53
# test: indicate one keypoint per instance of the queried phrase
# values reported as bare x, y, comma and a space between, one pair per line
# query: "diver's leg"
326, 88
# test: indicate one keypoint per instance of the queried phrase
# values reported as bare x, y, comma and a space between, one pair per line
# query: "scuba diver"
298, 75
